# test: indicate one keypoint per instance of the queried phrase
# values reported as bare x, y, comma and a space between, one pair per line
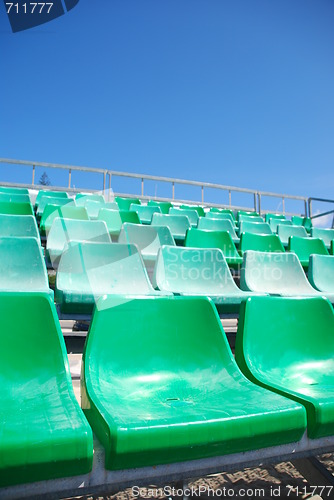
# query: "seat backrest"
13, 190
148, 239
321, 272
197, 208
163, 205
53, 194
219, 216
144, 212
52, 200
68, 211
254, 227
327, 235
260, 243
102, 268
274, 216
274, 223
297, 220
274, 273
284, 232
304, 247
82, 198
247, 212
217, 225
125, 203
115, 218
14, 198
177, 224
22, 266
216, 210
193, 270
191, 214
17, 208
18, 225
200, 238
250, 218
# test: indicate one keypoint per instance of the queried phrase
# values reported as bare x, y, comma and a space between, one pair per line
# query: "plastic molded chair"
304, 247
276, 274
148, 239
64, 231
198, 271
284, 231
44, 433
247, 212
160, 385
144, 212
327, 235
89, 270
125, 203
209, 224
50, 200
177, 224
115, 219
163, 205
82, 198
13, 190
302, 221
254, 227
260, 243
18, 226
216, 210
274, 223
53, 194
200, 238
321, 273
197, 208
191, 214
250, 218
287, 346
68, 211
93, 207
221, 216
16, 208
14, 198
274, 216
22, 266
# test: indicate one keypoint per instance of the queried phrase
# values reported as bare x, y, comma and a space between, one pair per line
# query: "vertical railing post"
104, 182
173, 190
283, 205
69, 177
33, 174
259, 203
142, 186
254, 201
109, 194
229, 198
202, 194
309, 207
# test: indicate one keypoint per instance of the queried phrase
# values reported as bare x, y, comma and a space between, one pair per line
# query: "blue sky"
238, 92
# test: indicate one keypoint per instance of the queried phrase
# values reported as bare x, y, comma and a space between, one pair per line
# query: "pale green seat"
284, 231
53, 194
216, 210
177, 224
144, 212
287, 346
274, 223
198, 271
64, 231
93, 207
13, 190
89, 270
221, 215
276, 274
67, 211
199, 238
82, 198
274, 216
321, 273
250, 218
304, 247
19, 226
125, 203
260, 242
302, 221
14, 198
164, 206
115, 219
197, 208
254, 227
247, 212
327, 235
209, 224
160, 385
17, 208
22, 266
44, 433
191, 214
148, 239
52, 200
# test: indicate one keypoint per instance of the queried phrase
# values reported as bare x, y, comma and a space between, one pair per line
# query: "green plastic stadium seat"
219, 216
260, 243
302, 221
148, 239
18, 225
160, 385
307, 223
89, 270
177, 224
198, 271
199, 238
276, 274
273, 223
14, 198
191, 214
254, 227
50, 200
68, 211
287, 346
16, 208
284, 231
304, 247
115, 219
44, 433
53, 194
216, 210
197, 208
13, 190
327, 235
125, 203
22, 266
247, 212
274, 216
163, 205
93, 207
144, 212
250, 218
218, 225
82, 198
332, 247
64, 231
321, 273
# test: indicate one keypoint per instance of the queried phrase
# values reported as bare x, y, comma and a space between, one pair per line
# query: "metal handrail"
322, 214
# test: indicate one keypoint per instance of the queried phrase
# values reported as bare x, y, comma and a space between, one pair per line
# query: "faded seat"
53, 194
44, 433
254, 227
201, 238
327, 235
210, 224
115, 219
82, 198
160, 385
18, 225
221, 215
274, 223
284, 231
321, 273
304, 247
177, 224
144, 212
197, 208
287, 346
191, 214
51, 200
67, 211
163, 205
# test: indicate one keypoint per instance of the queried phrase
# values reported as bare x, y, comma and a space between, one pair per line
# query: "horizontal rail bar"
52, 165
322, 214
